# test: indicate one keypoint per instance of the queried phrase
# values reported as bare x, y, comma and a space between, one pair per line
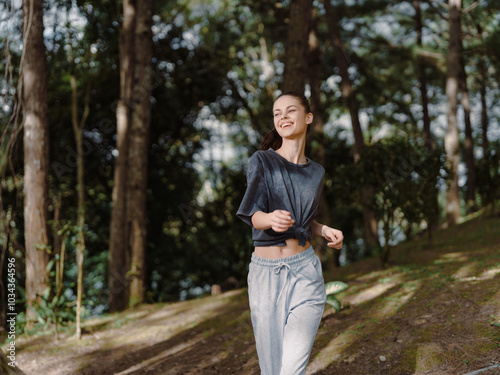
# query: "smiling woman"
285, 280
296, 103
290, 118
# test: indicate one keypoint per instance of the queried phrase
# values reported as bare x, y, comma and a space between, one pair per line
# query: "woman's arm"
335, 236
279, 220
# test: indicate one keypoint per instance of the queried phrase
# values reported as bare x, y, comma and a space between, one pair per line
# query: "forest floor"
433, 310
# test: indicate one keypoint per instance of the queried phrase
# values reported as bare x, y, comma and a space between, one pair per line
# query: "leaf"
38, 315
46, 294
334, 287
50, 265
333, 302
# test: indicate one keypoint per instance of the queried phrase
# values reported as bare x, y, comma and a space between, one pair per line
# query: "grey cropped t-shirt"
274, 183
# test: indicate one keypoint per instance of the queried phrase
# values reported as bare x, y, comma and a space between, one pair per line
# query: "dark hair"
273, 139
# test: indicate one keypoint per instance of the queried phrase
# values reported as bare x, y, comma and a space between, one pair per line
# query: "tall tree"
78, 125
451, 140
422, 78
118, 252
468, 140
294, 75
314, 78
482, 78
348, 93
128, 221
138, 155
36, 152
346, 83
317, 134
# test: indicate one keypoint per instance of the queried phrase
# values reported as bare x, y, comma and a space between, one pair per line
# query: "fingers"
281, 220
335, 245
335, 237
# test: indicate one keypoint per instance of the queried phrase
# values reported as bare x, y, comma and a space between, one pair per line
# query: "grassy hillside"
433, 310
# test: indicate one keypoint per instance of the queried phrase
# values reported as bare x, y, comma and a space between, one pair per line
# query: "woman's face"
290, 117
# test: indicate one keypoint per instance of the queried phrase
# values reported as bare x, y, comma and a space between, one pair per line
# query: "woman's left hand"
335, 237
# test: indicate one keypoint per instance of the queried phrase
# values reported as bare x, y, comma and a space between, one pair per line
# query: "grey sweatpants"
287, 298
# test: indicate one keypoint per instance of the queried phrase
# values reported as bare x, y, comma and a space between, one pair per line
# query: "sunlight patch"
486, 275
393, 304
370, 293
464, 271
455, 256
372, 275
333, 351
489, 274
429, 356
451, 258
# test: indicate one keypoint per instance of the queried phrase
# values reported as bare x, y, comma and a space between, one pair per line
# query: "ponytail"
272, 140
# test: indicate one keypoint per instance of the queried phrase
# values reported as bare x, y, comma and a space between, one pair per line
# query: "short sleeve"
255, 198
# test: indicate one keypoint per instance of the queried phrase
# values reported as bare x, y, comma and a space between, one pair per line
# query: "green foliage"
53, 307
49, 311
340, 192
332, 288
494, 321
52, 310
217, 67
402, 178
488, 176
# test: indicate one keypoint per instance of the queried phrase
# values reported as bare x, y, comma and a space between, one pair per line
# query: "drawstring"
277, 270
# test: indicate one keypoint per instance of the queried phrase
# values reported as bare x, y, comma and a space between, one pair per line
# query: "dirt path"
193, 337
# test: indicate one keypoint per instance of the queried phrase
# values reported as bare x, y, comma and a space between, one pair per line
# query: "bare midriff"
276, 252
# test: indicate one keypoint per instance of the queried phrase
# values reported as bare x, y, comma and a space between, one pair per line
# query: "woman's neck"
293, 151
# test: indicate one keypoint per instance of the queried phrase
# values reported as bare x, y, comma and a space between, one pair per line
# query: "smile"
286, 124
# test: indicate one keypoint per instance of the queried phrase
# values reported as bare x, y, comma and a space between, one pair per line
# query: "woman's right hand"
280, 220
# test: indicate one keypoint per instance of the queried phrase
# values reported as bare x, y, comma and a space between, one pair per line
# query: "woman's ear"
309, 118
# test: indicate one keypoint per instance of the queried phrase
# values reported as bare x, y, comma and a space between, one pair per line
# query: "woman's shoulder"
317, 166
257, 163
256, 157
260, 156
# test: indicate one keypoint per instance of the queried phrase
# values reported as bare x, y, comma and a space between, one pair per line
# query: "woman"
285, 281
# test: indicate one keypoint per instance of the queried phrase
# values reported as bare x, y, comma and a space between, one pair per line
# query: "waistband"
294, 260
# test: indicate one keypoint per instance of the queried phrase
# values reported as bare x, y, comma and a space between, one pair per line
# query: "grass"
432, 310
430, 304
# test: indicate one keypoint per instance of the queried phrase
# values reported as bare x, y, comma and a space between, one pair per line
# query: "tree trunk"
118, 246
484, 109
468, 142
451, 141
432, 193
294, 75
36, 152
346, 84
138, 155
318, 138
370, 221
482, 90
422, 78
80, 189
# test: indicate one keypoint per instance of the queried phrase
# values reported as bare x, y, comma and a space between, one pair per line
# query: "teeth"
285, 125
